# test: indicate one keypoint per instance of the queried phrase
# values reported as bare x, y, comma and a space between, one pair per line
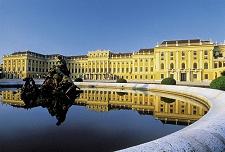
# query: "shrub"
223, 73
121, 80
78, 80
168, 81
218, 83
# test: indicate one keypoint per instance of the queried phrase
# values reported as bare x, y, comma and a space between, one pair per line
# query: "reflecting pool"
98, 120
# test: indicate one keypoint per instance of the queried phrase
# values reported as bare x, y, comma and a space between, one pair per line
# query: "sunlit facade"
185, 60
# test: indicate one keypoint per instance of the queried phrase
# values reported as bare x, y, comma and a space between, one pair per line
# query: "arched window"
162, 66
206, 66
183, 66
171, 66
220, 64
195, 66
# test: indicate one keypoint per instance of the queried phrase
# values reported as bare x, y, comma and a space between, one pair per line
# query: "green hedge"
223, 73
78, 80
121, 80
168, 81
218, 83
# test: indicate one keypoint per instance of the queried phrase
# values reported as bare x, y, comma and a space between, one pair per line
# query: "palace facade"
192, 60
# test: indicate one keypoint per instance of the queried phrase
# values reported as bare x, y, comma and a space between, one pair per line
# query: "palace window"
195, 76
205, 54
146, 69
162, 55
171, 66
206, 66
195, 54
127, 69
135, 69
194, 111
162, 76
182, 111
151, 69
206, 76
183, 66
162, 66
171, 55
195, 66
183, 55
220, 64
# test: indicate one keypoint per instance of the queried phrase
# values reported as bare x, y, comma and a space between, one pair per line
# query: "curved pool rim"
206, 134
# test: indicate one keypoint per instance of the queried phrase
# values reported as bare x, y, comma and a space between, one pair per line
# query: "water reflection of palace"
177, 111
12, 98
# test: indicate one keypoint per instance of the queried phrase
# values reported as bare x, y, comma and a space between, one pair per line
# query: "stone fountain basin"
206, 134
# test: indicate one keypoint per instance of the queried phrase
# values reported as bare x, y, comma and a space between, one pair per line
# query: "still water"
98, 120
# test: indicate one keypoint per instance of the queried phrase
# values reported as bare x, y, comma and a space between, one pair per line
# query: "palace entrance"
183, 77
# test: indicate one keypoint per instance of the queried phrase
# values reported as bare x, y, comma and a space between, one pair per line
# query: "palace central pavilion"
192, 60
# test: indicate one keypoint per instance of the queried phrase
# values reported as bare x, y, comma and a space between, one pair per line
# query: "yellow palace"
192, 60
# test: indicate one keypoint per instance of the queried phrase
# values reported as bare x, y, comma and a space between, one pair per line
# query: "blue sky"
74, 27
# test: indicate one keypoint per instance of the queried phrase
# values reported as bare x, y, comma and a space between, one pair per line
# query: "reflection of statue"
57, 104
30, 90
